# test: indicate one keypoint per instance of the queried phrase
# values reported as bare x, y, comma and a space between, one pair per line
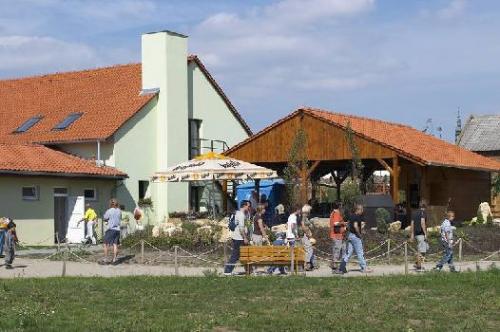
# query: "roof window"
64, 124
28, 124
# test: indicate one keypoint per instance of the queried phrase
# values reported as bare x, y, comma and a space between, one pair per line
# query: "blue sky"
404, 61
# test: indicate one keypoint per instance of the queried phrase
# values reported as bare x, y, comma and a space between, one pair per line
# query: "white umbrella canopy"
212, 166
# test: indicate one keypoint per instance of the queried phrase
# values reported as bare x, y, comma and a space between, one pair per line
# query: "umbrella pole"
213, 199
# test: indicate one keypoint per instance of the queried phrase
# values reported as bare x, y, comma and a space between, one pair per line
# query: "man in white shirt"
291, 225
239, 236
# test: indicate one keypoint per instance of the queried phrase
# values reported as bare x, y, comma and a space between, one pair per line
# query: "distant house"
481, 134
102, 133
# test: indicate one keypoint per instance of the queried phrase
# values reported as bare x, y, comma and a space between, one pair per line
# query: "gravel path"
39, 268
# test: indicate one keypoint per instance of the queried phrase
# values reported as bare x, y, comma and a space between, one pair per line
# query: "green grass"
435, 301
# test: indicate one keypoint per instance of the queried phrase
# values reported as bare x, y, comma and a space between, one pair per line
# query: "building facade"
137, 118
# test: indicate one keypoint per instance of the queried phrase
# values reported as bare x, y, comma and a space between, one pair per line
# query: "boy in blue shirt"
10, 244
280, 241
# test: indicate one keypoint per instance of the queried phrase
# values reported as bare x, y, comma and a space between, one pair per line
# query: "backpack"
232, 222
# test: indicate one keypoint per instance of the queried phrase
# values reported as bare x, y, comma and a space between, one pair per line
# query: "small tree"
297, 163
352, 191
382, 216
496, 185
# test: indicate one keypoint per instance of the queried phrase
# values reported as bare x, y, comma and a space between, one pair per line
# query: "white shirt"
239, 218
290, 226
446, 231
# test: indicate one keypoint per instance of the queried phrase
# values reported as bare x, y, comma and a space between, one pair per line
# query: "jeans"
338, 249
355, 245
235, 256
447, 257
2, 240
271, 269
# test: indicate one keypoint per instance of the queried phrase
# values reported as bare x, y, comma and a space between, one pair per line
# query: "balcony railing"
204, 145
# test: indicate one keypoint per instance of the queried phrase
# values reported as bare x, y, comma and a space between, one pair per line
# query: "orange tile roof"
34, 159
107, 97
404, 140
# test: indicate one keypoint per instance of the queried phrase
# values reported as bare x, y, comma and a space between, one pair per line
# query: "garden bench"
271, 255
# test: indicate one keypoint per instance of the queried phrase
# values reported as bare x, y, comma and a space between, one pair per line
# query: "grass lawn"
435, 301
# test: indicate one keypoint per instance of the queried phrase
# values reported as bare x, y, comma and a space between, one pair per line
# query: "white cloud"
32, 53
454, 9
293, 34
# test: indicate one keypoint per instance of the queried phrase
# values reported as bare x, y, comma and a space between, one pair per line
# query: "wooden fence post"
389, 251
176, 265
460, 249
142, 251
292, 258
406, 258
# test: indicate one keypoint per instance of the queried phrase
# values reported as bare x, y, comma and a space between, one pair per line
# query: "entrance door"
75, 229
60, 214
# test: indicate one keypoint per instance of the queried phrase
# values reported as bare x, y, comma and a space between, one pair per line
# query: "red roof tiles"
405, 140
40, 160
107, 97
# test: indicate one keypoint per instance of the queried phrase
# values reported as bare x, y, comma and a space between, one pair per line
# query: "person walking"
238, 236
447, 242
10, 244
355, 244
292, 225
3, 231
306, 237
419, 232
337, 235
113, 217
259, 235
90, 220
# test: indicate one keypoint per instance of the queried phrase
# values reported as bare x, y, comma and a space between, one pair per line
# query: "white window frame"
93, 199
31, 198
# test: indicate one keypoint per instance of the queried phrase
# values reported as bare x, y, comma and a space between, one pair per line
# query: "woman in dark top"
259, 235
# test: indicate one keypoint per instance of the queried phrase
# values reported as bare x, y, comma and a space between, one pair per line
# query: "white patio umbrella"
213, 167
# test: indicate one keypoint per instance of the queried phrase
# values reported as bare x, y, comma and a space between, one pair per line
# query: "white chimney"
164, 67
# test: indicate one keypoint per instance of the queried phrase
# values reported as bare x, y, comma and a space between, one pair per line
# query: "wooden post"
63, 274
58, 242
176, 265
460, 249
142, 251
395, 176
389, 251
292, 258
406, 258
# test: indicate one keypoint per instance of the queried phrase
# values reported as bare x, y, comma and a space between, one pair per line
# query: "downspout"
98, 160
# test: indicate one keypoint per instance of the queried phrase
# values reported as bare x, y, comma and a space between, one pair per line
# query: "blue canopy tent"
273, 189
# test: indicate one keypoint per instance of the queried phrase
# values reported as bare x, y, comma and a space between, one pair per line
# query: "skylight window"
64, 124
28, 124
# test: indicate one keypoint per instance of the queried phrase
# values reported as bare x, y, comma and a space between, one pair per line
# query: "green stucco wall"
35, 219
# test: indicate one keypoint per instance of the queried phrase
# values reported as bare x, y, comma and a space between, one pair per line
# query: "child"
280, 241
447, 242
10, 244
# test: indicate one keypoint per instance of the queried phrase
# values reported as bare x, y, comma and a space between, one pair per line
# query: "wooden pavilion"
421, 166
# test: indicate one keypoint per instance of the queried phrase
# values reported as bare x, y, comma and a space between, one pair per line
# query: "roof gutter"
67, 175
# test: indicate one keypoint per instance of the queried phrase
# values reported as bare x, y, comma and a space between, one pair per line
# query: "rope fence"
382, 250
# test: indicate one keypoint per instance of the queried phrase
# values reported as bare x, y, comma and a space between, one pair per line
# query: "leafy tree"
496, 185
297, 163
382, 216
351, 190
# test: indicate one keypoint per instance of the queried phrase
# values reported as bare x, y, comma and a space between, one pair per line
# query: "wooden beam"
385, 165
313, 167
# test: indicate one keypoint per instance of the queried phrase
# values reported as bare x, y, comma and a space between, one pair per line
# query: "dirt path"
39, 268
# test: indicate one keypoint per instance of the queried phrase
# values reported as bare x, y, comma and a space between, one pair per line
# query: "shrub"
489, 220
382, 216
145, 202
480, 219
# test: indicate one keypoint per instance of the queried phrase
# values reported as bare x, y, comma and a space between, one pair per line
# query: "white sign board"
76, 209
